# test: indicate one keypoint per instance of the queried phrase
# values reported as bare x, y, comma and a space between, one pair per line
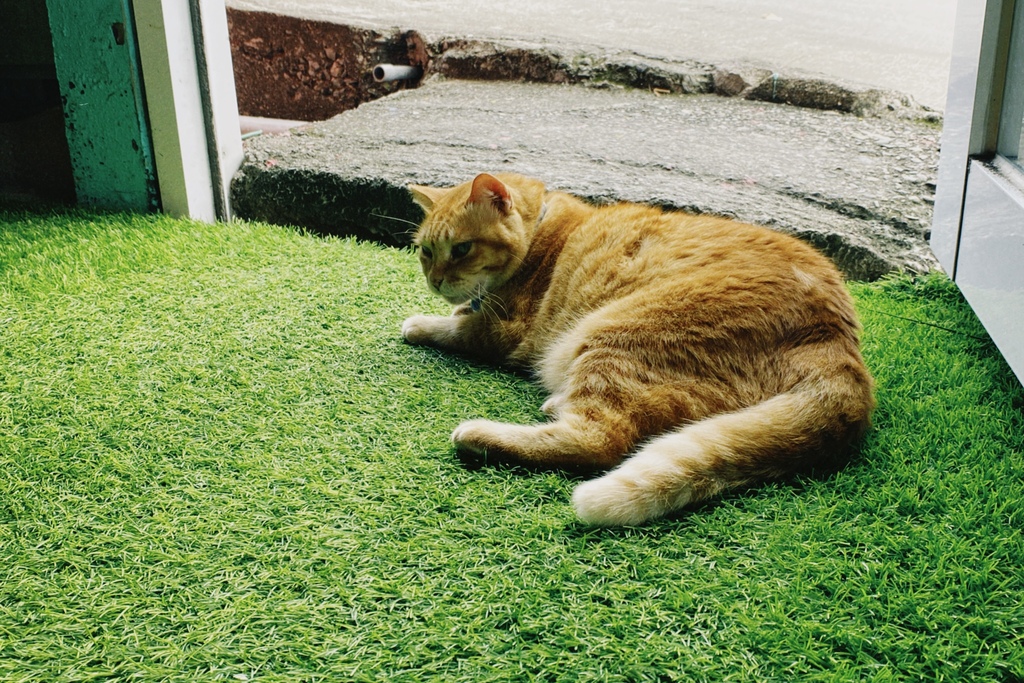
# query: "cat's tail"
699, 460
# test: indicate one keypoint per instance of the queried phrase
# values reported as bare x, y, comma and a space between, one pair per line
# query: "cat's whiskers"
493, 305
478, 298
398, 220
519, 260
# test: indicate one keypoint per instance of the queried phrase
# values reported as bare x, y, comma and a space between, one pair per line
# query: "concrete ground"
901, 45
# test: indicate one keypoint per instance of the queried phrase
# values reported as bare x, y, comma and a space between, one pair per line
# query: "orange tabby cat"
692, 354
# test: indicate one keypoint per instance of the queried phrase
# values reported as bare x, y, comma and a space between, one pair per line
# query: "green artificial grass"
218, 461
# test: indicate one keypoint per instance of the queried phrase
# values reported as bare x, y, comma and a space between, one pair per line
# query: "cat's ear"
489, 190
425, 196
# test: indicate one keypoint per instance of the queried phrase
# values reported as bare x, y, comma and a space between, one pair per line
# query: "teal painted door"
96, 56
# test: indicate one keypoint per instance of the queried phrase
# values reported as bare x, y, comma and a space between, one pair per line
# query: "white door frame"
185, 53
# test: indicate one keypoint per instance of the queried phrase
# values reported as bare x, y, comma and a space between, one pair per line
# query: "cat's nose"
436, 282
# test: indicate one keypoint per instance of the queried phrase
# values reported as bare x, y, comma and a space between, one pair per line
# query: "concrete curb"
292, 67
535, 62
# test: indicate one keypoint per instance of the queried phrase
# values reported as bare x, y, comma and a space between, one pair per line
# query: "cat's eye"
425, 251
461, 249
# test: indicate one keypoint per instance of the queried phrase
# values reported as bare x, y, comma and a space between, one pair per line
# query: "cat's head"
476, 235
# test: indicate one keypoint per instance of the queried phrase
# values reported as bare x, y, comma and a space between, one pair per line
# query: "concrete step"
858, 188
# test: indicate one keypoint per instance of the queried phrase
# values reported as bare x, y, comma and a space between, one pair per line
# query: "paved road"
897, 44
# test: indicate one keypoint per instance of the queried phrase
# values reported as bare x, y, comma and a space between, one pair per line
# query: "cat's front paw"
474, 436
422, 329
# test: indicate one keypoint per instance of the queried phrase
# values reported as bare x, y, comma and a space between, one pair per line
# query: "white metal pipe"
395, 72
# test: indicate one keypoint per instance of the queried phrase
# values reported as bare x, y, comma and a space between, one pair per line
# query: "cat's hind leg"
569, 442
601, 407
812, 424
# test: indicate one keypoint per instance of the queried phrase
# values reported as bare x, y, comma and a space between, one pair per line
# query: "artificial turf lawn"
218, 461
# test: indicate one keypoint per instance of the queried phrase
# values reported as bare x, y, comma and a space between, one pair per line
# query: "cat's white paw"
473, 435
419, 329
612, 500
